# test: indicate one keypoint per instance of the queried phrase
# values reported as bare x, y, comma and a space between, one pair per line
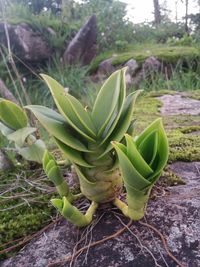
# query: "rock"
106, 67
175, 213
137, 79
5, 162
128, 80
51, 31
133, 66
179, 104
5, 93
150, 66
83, 47
26, 43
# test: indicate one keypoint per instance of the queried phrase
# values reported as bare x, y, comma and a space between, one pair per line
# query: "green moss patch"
183, 145
164, 53
194, 94
171, 179
24, 203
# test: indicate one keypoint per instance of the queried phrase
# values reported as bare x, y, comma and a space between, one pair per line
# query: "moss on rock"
164, 53
24, 203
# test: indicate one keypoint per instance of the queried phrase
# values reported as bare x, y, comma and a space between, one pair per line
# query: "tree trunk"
186, 16
5, 93
157, 15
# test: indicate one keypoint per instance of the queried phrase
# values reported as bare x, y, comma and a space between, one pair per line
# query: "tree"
157, 13
186, 16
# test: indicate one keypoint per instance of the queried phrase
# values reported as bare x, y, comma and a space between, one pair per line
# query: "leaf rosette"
15, 126
84, 136
141, 161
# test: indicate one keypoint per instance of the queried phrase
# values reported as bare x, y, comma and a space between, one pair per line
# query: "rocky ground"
174, 211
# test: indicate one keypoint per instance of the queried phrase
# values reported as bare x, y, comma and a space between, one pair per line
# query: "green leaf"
12, 115
94, 189
57, 203
55, 176
160, 144
46, 158
124, 121
131, 127
118, 109
162, 152
148, 147
106, 101
64, 105
56, 125
34, 152
73, 155
83, 115
130, 175
136, 159
19, 136
50, 165
83, 180
71, 213
151, 128
5, 130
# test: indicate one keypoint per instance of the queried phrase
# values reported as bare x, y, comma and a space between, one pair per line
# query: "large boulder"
26, 43
106, 67
132, 65
151, 66
83, 47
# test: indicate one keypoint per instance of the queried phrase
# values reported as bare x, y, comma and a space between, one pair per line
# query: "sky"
142, 10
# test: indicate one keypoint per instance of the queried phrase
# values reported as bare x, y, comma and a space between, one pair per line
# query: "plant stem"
121, 206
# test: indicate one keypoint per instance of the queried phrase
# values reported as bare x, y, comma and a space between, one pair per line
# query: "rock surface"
176, 213
6, 93
106, 67
135, 73
150, 66
83, 47
179, 104
132, 66
5, 162
26, 43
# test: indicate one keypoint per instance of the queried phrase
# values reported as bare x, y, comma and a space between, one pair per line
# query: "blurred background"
80, 43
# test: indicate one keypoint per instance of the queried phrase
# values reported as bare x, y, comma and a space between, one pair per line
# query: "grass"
140, 53
17, 13
179, 80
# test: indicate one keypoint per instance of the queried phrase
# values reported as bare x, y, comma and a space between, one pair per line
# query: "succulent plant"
141, 161
15, 126
85, 136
